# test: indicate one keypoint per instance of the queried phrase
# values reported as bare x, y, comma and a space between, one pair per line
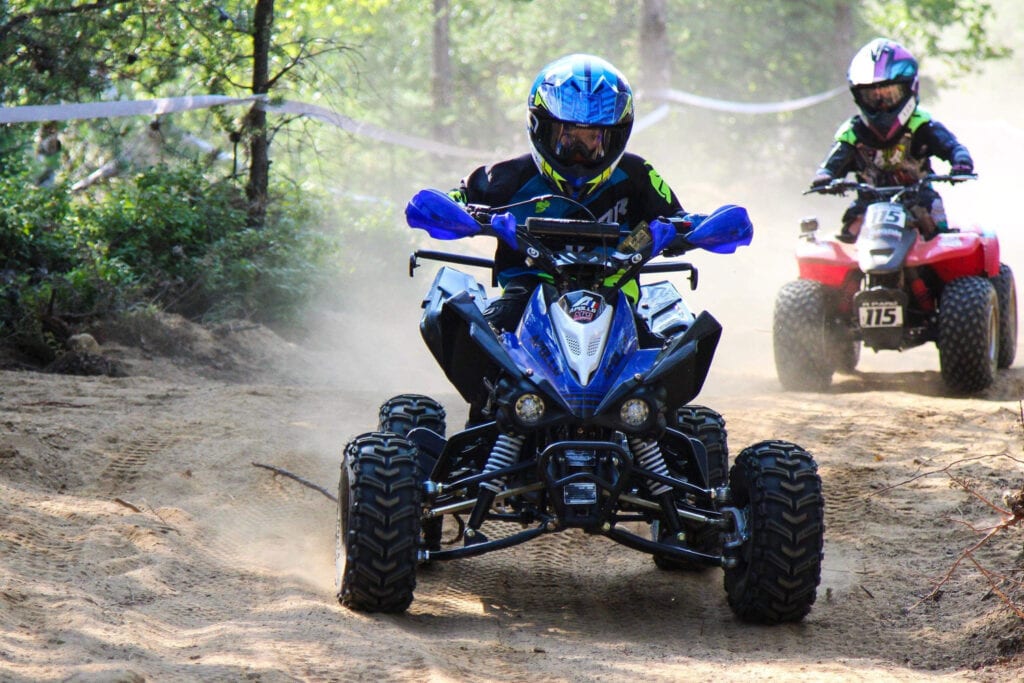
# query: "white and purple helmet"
883, 80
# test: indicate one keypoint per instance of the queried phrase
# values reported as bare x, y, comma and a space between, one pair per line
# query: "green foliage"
727, 49
32, 236
953, 35
163, 221
168, 237
51, 272
268, 274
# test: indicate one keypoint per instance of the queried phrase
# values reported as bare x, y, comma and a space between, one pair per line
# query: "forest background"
249, 211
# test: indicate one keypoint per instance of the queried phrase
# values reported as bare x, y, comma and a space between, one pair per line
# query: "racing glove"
821, 179
684, 225
961, 169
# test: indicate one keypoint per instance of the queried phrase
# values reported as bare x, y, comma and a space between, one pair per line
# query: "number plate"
881, 314
886, 213
581, 493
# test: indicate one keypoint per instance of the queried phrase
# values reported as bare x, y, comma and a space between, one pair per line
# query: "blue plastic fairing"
441, 216
662, 234
536, 348
727, 228
504, 224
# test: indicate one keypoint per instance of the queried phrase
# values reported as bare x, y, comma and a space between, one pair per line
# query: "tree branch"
304, 482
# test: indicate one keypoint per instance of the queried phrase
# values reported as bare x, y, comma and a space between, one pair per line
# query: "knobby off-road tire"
968, 334
779, 567
400, 415
800, 336
1006, 292
708, 427
403, 413
378, 524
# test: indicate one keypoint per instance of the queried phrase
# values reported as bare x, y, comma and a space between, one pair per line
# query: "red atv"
894, 289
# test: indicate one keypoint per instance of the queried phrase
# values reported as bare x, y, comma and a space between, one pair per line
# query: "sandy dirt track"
138, 541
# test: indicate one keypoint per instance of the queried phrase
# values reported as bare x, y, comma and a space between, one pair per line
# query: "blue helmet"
580, 118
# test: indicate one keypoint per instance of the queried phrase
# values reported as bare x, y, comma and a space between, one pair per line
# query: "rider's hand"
961, 169
821, 180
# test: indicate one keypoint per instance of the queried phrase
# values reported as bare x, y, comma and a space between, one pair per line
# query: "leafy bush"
162, 222
170, 238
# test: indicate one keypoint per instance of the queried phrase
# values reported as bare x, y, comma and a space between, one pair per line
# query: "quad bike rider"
896, 276
580, 383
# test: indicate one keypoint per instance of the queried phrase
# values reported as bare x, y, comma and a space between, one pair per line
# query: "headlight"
634, 412
529, 409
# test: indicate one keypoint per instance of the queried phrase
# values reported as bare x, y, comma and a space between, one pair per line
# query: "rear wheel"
708, 427
800, 336
778, 567
968, 334
846, 355
1006, 292
401, 414
378, 532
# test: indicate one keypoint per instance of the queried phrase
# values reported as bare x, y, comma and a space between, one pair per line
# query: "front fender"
682, 365
458, 336
826, 262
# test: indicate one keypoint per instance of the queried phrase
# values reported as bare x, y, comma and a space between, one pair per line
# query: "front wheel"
377, 539
968, 334
800, 336
778, 567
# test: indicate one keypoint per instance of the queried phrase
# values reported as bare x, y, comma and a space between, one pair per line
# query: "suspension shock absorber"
649, 456
505, 453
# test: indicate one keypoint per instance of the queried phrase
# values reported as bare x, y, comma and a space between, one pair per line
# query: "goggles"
882, 98
574, 144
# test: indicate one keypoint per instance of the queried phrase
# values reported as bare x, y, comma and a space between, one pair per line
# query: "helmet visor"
881, 98
573, 144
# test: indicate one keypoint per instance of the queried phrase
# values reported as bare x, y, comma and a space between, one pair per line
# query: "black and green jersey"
635, 192
900, 161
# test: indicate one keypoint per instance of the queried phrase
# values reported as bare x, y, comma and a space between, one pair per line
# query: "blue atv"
588, 424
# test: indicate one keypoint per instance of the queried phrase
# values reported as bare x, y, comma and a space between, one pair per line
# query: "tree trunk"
259, 141
655, 52
844, 47
442, 81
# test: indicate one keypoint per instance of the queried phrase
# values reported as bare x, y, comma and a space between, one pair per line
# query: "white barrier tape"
103, 110
648, 120
680, 97
371, 131
169, 105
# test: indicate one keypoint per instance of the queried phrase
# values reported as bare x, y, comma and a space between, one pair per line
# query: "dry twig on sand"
1009, 586
304, 482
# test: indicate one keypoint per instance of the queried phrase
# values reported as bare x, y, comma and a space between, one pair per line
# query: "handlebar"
587, 248
840, 186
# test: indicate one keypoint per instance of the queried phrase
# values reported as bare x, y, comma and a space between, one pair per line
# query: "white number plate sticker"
881, 314
883, 212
